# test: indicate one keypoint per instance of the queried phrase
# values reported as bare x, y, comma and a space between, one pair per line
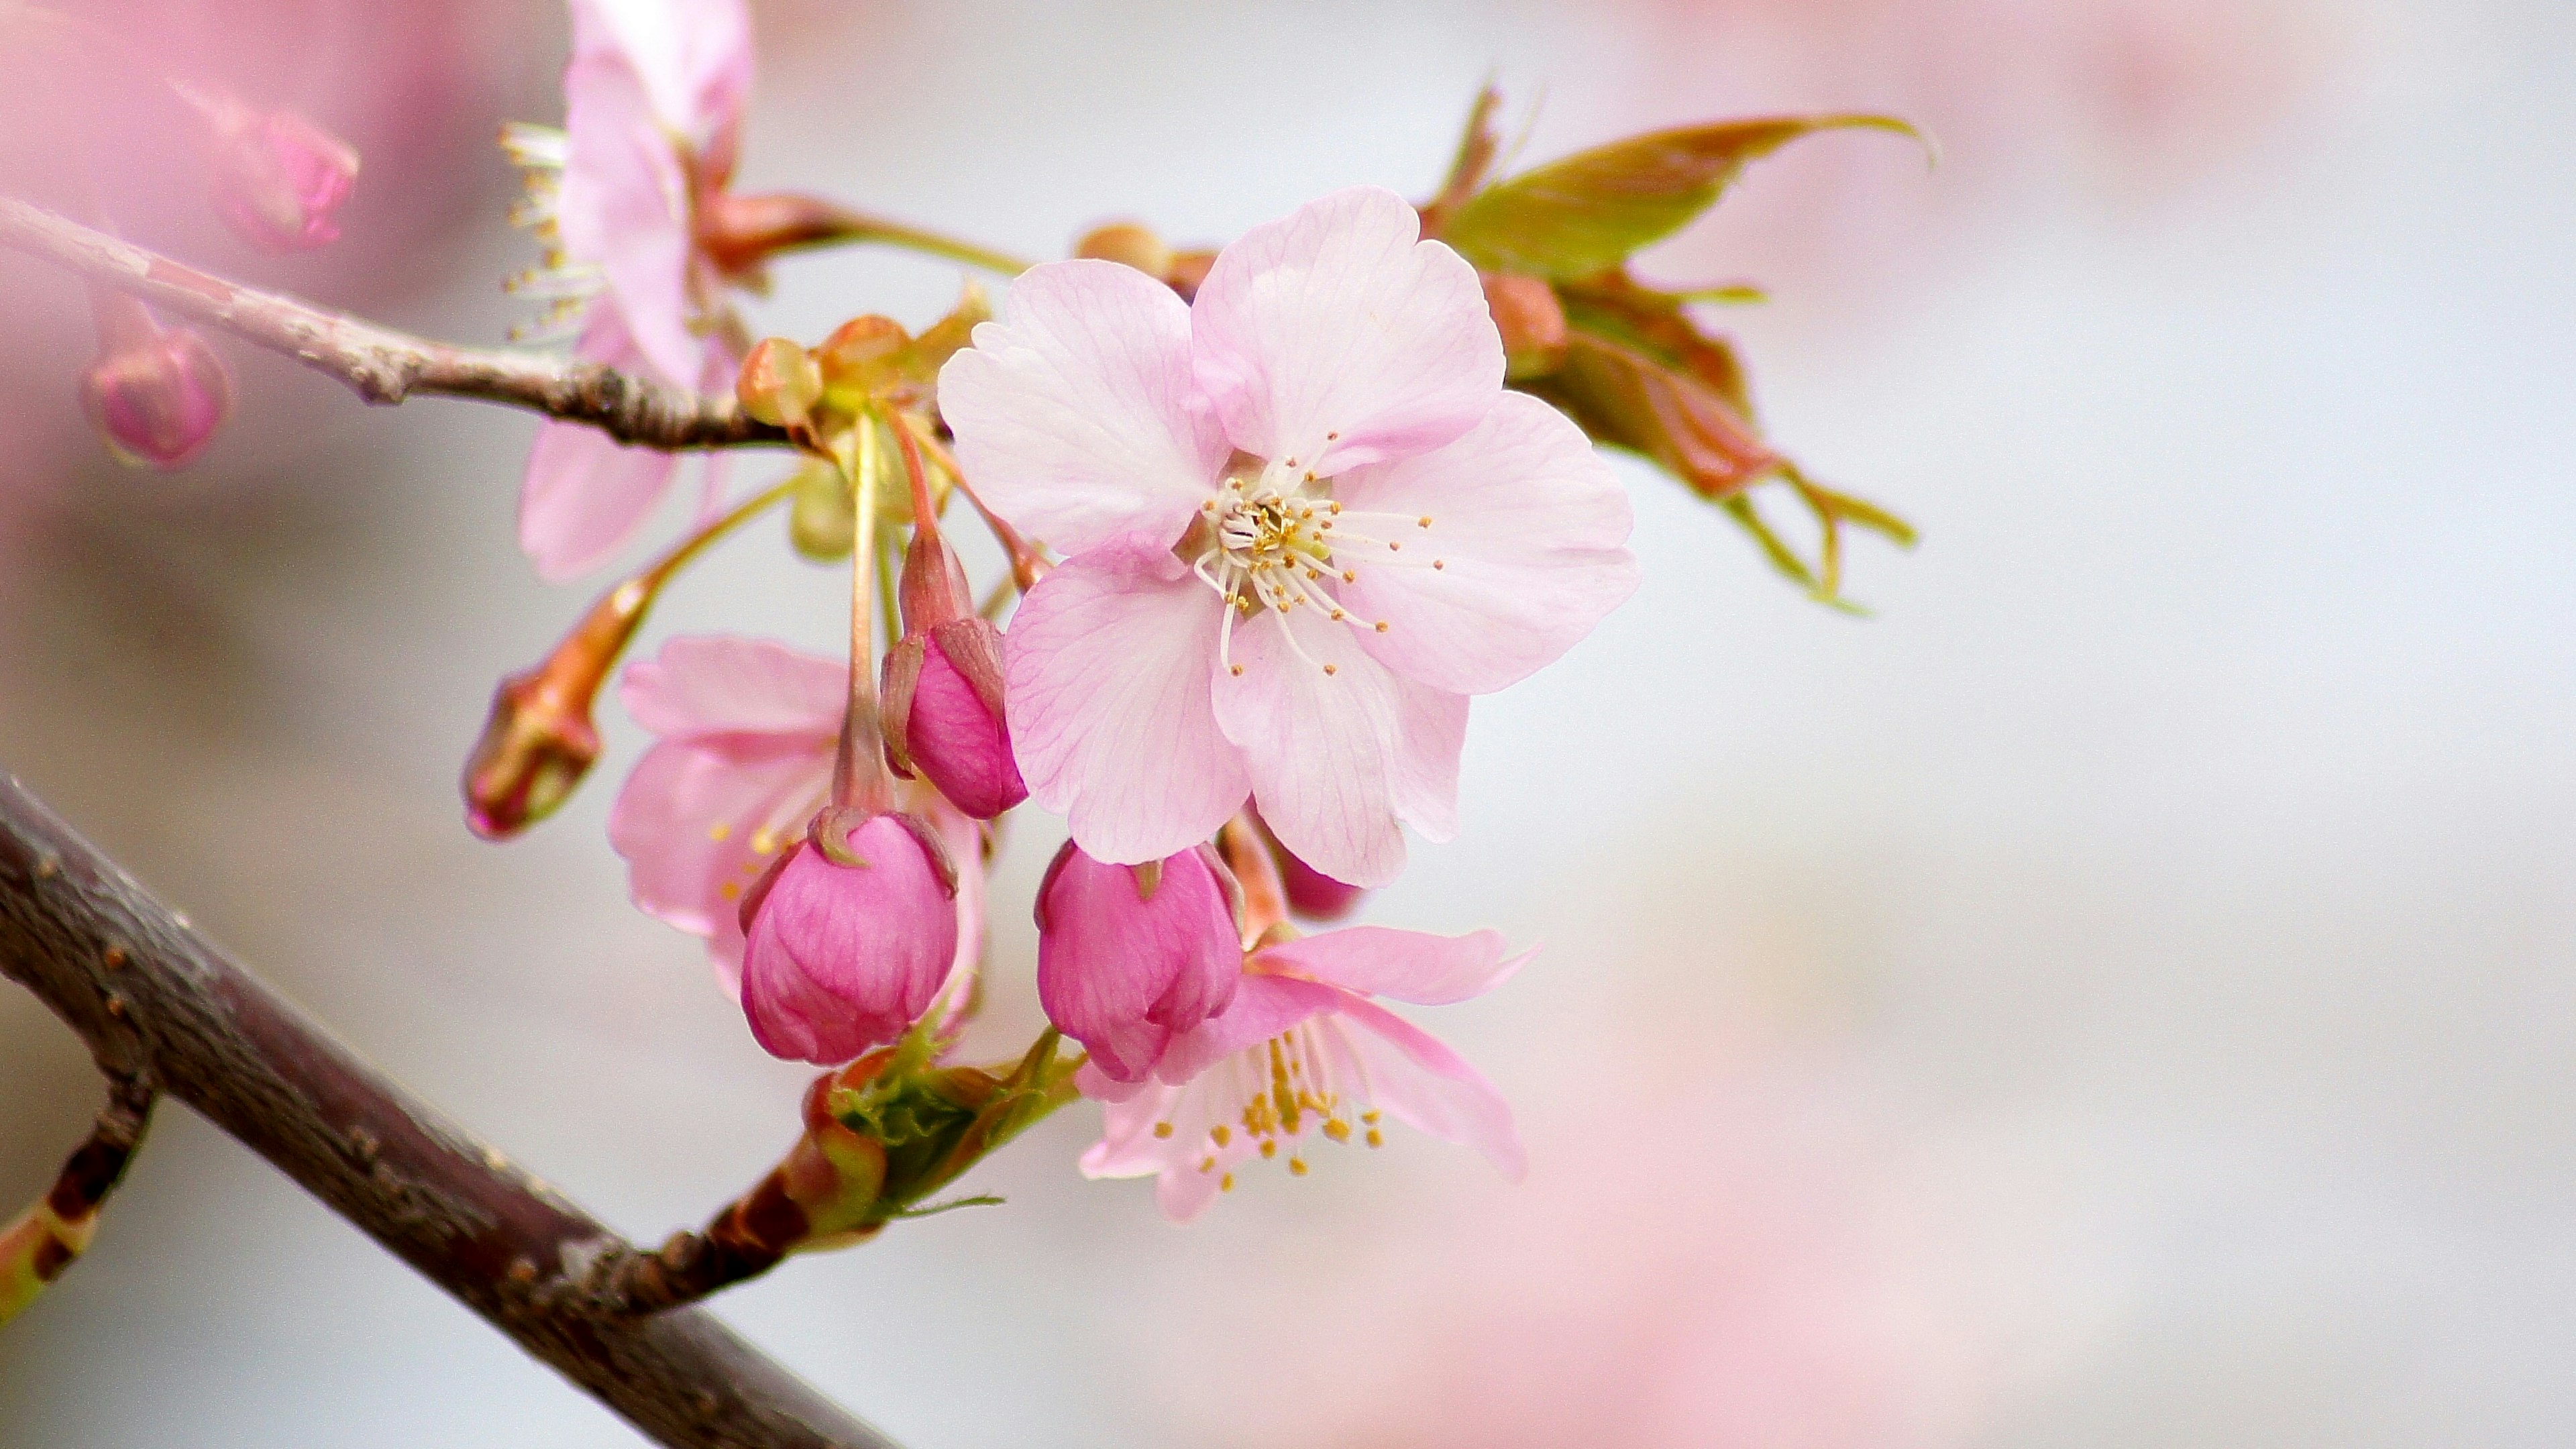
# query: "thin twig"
380, 364
52, 1234
156, 1000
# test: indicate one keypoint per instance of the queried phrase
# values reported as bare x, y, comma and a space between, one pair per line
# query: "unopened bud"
821, 522
279, 179
848, 941
1126, 242
779, 383
867, 358
536, 746
1187, 271
157, 395
1130, 957
1532, 321
942, 686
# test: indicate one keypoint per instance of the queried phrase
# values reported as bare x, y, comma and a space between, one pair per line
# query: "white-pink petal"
1339, 320
1107, 668
585, 497
1529, 525
1423, 1084
697, 825
1413, 966
694, 56
624, 208
1076, 412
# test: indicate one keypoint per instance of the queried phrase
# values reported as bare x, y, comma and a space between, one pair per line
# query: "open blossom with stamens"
1304, 523
747, 733
653, 103
1304, 1052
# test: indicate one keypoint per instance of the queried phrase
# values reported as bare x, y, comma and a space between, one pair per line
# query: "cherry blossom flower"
1304, 1051
1303, 521
747, 731
653, 103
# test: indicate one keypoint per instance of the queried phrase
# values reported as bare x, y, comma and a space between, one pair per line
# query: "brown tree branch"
380, 364
156, 1001
52, 1234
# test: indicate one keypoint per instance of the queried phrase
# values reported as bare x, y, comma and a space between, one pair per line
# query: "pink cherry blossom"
1304, 1051
653, 103
1303, 520
1132, 956
747, 730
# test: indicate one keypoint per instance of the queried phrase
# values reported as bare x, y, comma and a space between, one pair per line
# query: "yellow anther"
1395, 548
1234, 669
728, 890
1338, 1130
1375, 1139
1332, 669
1424, 521
1350, 576
1440, 563
763, 842
1369, 1117
1225, 1183
1339, 616
1221, 1133
1381, 626
1296, 1167
1162, 1129
1269, 1149
718, 831
1207, 1164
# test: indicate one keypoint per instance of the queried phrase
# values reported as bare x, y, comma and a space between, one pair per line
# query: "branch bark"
383, 365
156, 1001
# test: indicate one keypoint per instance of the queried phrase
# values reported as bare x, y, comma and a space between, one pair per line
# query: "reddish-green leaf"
1590, 211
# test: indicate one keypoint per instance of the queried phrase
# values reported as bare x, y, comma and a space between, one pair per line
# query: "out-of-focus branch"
51, 1235
157, 1002
380, 364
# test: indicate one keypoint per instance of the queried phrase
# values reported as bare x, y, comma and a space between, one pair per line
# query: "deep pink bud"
157, 395
943, 683
279, 179
1131, 956
849, 938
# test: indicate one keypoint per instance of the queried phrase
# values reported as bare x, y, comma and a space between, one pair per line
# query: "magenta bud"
279, 179
1131, 956
841, 957
158, 399
944, 720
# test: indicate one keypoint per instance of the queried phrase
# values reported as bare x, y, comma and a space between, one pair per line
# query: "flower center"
1276, 541
1279, 1091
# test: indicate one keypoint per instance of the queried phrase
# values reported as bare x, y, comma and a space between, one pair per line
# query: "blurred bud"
1128, 244
156, 394
868, 357
1532, 321
1131, 956
279, 179
1187, 271
539, 741
820, 518
849, 937
779, 383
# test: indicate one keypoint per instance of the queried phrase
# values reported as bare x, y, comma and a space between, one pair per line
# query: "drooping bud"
779, 383
156, 394
849, 937
1131, 956
943, 679
1130, 244
279, 179
1531, 320
1308, 891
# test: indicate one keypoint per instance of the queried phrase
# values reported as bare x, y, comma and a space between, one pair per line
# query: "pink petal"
698, 823
1263, 1007
957, 743
1431, 1088
1528, 523
1076, 413
1411, 966
714, 685
1337, 758
694, 56
585, 497
624, 207
1107, 663
842, 958
1339, 320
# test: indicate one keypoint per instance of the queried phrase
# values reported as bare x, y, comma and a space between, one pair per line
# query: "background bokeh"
2122, 994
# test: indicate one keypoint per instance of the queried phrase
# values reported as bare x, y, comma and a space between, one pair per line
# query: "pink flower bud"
157, 397
943, 683
1310, 892
279, 178
849, 938
1130, 957
944, 722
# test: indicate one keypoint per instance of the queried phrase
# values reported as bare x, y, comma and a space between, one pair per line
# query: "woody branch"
380, 364
156, 1002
